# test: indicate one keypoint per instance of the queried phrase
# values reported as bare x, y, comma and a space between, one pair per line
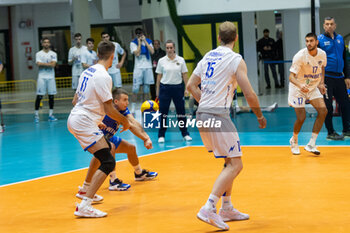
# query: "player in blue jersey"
110, 128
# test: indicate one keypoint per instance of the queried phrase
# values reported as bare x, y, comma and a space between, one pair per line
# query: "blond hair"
227, 32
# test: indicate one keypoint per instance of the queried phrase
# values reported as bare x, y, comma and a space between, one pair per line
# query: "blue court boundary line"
61, 173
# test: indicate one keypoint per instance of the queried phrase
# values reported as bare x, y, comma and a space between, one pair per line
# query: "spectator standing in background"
89, 58
142, 48
337, 77
267, 49
46, 60
114, 70
158, 54
74, 59
280, 57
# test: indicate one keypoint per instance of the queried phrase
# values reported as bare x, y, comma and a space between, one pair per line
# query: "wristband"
260, 118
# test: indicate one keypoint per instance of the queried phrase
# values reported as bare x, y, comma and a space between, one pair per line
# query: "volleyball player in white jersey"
46, 60
74, 59
92, 101
114, 71
218, 72
89, 58
307, 84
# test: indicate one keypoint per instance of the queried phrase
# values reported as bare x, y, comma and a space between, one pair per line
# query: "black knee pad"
106, 159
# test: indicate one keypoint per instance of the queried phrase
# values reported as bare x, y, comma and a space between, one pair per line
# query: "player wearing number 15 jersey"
218, 73
307, 84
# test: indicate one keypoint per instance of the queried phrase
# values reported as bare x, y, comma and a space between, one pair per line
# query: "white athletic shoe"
161, 140
88, 211
272, 107
312, 149
210, 217
294, 147
232, 214
82, 193
187, 138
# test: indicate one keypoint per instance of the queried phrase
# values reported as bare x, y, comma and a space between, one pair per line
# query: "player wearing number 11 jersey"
307, 84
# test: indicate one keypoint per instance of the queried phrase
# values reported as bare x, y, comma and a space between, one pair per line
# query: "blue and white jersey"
76, 53
89, 57
217, 70
112, 125
118, 50
308, 69
46, 57
94, 89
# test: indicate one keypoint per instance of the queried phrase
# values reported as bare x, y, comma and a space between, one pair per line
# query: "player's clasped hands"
304, 88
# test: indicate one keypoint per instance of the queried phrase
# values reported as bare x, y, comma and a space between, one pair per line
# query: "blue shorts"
116, 141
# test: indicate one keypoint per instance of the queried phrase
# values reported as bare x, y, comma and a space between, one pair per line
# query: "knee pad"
106, 159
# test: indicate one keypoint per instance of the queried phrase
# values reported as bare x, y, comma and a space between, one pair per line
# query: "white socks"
85, 202
226, 202
36, 112
138, 169
295, 138
212, 201
313, 139
85, 185
50, 112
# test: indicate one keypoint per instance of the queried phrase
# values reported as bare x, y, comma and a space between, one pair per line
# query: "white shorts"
44, 84
224, 141
143, 76
297, 98
75, 81
117, 79
84, 129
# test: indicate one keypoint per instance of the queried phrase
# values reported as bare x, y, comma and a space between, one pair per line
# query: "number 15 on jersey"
210, 70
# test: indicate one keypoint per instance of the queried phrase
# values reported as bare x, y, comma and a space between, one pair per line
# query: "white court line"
61, 173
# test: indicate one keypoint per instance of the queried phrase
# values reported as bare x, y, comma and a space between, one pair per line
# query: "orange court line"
281, 192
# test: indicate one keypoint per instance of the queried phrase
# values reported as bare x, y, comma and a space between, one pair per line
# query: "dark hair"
45, 38
311, 34
138, 31
77, 35
266, 30
90, 39
227, 32
105, 49
329, 18
104, 33
117, 92
170, 41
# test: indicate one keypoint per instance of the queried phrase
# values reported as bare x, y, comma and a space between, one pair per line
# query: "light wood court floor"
281, 192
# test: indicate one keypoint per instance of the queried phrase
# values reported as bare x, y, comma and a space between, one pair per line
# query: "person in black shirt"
267, 49
279, 57
158, 54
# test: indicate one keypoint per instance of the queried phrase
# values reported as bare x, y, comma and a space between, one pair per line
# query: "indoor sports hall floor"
42, 165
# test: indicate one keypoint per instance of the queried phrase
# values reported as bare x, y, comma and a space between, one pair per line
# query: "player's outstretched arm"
249, 94
192, 87
116, 115
138, 131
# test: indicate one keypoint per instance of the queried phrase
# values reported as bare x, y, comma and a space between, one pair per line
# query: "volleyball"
149, 106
